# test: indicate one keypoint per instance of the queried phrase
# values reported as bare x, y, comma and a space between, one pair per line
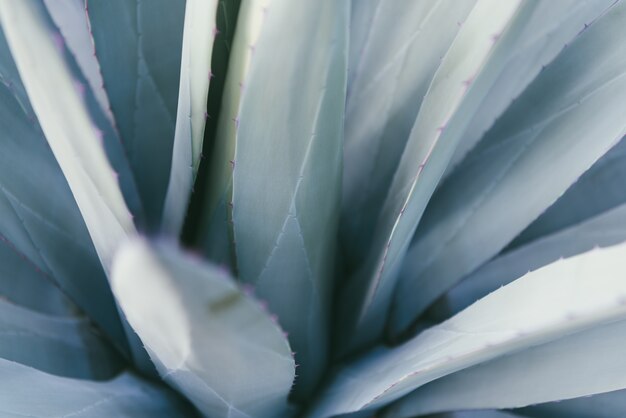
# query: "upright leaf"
138, 44
403, 46
466, 72
216, 223
553, 131
207, 338
604, 405
195, 76
285, 230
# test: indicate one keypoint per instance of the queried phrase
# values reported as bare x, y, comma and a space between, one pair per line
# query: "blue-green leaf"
207, 338
403, 46
138, 44
467, 70
27, 392
604, 405
553, 131
62, 345
41, 228
557, 23
575, 295
606, 229
195, 76
287, 171
582, 364
68, 125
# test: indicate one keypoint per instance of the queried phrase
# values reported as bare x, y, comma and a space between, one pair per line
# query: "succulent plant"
312, 208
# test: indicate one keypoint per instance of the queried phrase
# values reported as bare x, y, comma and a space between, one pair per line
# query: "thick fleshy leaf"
569, 296
27, 392
65, 346
139, 44
603, 230
44, 239
604, 405
195, 76
555, 24
582, 364
70, 17
466, 72
208, 339
74, 140
285, 230
403, 47
553, 131
601, 188
217, 235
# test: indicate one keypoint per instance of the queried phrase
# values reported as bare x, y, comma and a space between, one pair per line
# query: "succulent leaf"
207, 338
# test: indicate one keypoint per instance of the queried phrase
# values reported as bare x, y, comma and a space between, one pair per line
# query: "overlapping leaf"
552, 131
207, 338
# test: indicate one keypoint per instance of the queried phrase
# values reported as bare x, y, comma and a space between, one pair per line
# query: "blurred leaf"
580, 294
604, 405
216, 237
582, 364
65, 346
67, 123
552, 132
287, 171
42, 234
27, 392
139, 44
207, 338
195, 77
75, 35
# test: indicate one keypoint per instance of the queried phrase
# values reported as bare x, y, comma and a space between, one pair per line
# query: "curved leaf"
207, 338
67, 123
27, 392
555, 24
569, 296
404, 46
600, 189
460, 82
582, 364
195, 76
42, 235
552, 131
285, 232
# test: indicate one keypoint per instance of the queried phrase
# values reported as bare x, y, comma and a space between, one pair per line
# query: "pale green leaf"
195, 77
208, 339
552, 132
287, 171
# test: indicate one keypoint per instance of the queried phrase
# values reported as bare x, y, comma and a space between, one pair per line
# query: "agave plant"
312, 208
